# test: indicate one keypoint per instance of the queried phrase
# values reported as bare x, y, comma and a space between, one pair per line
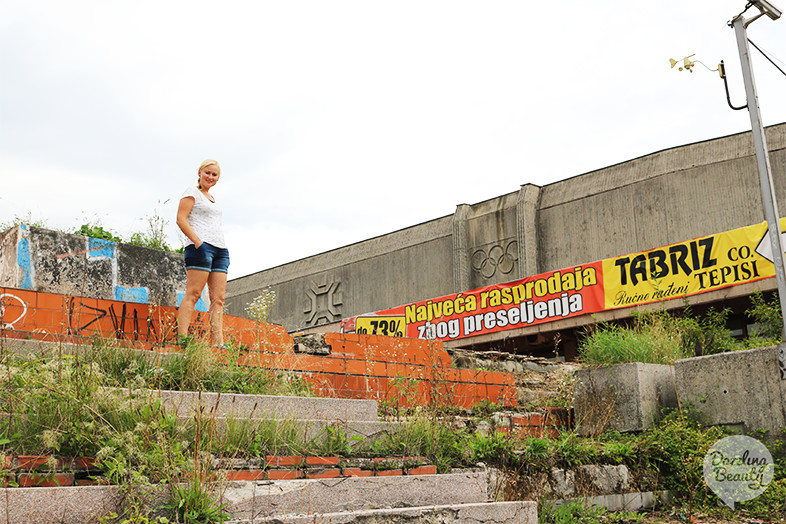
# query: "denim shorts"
207, 258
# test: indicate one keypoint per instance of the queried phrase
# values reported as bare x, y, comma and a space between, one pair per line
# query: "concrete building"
655, 200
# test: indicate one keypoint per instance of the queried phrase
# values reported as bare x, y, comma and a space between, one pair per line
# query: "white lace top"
205, 219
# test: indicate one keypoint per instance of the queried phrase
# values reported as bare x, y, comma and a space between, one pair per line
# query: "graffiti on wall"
6, 301
28, 312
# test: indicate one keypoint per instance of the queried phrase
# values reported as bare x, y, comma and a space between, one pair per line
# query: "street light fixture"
768, 9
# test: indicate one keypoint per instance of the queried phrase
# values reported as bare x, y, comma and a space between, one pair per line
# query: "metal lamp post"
739, 23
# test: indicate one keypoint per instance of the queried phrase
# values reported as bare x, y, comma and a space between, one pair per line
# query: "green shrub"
573, 512
195, 502
97, 231
652, 339
767, 316
496, 449
675, 448
657, 338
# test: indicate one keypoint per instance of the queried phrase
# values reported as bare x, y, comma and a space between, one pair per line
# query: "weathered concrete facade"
54, 262
662, 198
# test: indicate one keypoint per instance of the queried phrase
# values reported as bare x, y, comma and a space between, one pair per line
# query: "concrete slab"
255, 500
66, 505
740, 388
518, 512
622, 397
623, 501
268, 406
311, 428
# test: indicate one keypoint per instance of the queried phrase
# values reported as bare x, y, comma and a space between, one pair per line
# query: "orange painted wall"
400, 371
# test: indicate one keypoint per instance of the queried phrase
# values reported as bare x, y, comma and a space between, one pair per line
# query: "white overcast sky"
337, 121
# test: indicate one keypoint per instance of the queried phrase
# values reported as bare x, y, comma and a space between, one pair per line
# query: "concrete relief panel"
323, 301
492, 241
495, 262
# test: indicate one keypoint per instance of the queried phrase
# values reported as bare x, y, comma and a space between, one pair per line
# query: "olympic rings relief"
497, 258
3, 302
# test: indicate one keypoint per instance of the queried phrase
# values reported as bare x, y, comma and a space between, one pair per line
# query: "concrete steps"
454, 497
517, 512
462, 496
312, 414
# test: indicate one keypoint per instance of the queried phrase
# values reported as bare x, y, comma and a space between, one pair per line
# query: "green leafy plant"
495, 448
335, 442
154, 237
676, 448
767, 317
194, 502
572, 512
95, 230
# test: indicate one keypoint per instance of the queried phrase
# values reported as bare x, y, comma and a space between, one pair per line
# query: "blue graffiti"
98, 247
23, 261
201, 305
131, 294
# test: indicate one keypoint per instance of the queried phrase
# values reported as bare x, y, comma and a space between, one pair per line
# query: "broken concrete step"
255, 500
518, 512
251, 501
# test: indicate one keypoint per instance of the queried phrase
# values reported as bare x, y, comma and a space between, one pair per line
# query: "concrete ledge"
255, 500
518, 512
622, 397
259, 499
740, 388
223, 404
38, 259
309, 428
269, 406
623, 501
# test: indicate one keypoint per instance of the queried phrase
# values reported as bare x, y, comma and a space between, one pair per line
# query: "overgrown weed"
662, 337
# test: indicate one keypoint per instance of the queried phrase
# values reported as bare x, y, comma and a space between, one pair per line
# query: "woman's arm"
183, 210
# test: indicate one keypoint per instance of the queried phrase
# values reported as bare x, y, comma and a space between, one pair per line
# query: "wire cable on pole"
767, 57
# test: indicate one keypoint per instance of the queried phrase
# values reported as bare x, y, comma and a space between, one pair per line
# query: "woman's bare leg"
217, 288
195, 283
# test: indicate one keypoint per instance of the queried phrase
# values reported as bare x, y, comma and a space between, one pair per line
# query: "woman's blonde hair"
203, 165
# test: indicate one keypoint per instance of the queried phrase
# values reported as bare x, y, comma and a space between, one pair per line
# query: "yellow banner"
687, 268
389, 326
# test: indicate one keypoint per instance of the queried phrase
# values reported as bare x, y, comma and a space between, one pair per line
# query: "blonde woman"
206, 255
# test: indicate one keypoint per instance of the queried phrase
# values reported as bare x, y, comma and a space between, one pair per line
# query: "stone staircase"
315, 490
454, 497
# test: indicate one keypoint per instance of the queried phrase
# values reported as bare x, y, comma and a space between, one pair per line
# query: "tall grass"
653, 338
658, 338
102, 401
196, 368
